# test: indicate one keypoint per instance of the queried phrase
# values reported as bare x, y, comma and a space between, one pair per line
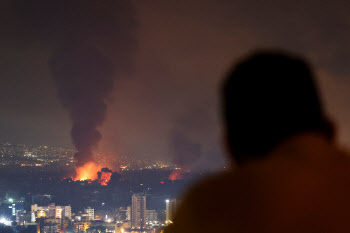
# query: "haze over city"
179, 53
107, 106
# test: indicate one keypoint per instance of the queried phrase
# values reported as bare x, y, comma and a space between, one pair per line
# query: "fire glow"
175, 175
92, 171
87, 172
104, 176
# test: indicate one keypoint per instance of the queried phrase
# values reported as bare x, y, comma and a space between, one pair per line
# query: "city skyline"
45, 216
115, 116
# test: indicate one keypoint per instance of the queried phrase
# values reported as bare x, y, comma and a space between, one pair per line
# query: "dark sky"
181, 51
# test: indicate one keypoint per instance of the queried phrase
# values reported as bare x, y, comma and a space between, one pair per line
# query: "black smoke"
84, 79
85, 40
105, 169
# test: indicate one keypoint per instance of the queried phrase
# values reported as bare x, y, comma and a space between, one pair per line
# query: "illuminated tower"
170, 208
138, 211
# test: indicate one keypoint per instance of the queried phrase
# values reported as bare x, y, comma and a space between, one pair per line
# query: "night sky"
170, 57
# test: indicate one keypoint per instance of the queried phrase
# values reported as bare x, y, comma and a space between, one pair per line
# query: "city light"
53, 216
5, 221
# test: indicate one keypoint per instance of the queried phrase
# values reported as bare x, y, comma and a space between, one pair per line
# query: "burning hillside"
87, 172
92, 171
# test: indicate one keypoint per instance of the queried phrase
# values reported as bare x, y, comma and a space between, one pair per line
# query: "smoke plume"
84, 79
85, 40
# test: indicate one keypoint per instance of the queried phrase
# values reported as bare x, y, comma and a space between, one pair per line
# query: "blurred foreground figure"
290, 174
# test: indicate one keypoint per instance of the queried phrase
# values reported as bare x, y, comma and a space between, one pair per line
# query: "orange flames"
92, 171
105, 178
87, 172
175, 175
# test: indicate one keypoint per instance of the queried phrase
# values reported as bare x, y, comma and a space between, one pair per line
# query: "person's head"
269, 97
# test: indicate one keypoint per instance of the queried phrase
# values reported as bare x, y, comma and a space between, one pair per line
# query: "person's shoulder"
197, 202
210, 185
218, 187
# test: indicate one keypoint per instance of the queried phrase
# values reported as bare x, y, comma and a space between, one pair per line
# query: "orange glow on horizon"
88, 171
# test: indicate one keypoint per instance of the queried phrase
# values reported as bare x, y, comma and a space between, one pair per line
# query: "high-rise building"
58, 212
91, 213
63, 212
138, 211
51, 210
128, 213
171, 206
67, 211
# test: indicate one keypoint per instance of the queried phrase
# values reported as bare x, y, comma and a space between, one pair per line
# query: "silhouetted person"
290, 174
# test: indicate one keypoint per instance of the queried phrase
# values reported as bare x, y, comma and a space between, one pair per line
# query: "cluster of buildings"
138, 215
49, 218
141, 218
10, 209
53, 218
51, 211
